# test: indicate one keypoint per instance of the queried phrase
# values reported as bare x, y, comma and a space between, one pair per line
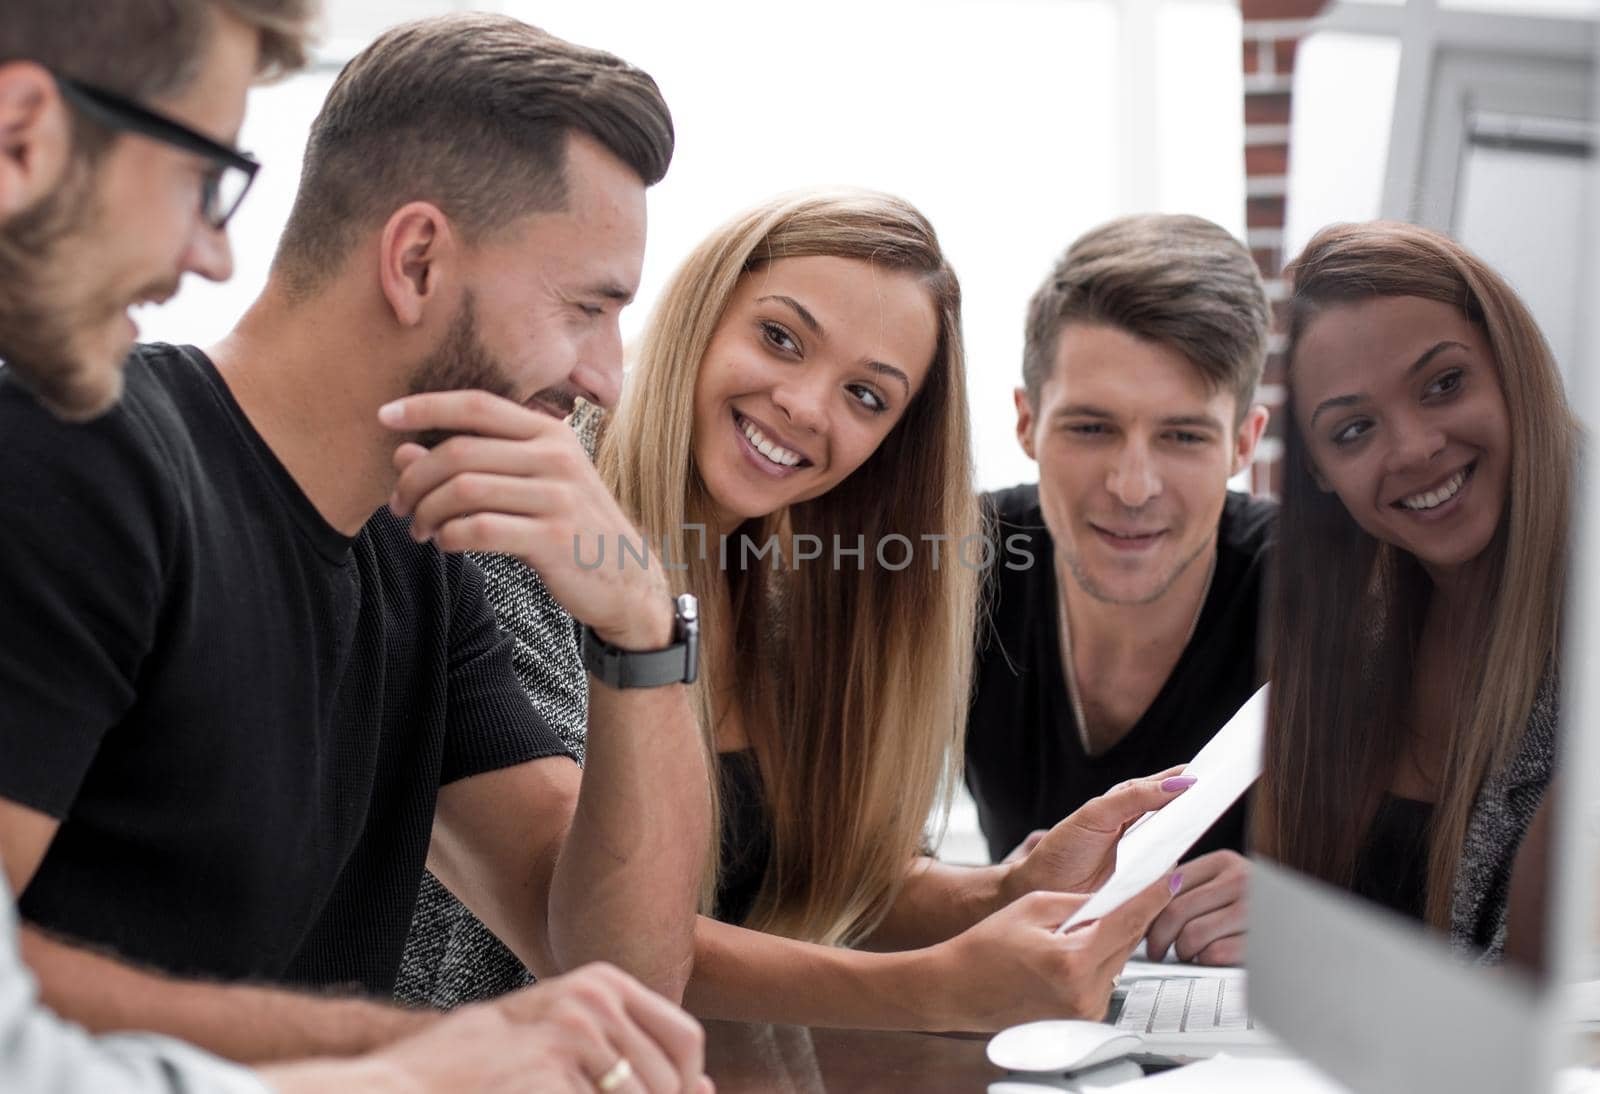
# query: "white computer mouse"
1060, 1045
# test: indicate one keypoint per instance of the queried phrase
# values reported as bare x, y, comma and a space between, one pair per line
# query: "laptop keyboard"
1175, 1004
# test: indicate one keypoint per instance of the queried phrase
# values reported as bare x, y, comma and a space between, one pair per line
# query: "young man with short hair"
1131, 637
232, 697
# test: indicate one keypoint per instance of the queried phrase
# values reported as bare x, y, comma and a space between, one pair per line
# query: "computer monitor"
1374, 999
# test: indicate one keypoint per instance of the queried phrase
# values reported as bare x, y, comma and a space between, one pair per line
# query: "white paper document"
1223, 770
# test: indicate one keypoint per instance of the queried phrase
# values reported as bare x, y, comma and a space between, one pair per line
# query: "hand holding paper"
1223, 770
1080, 851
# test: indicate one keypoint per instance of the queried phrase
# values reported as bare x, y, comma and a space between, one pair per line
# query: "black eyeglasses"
222, 187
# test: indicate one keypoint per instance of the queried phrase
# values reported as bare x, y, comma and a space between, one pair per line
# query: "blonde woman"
793, 441
1414, 642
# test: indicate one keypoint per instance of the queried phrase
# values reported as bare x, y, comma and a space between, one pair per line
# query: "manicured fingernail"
1175, 884
1178, 782
391, 413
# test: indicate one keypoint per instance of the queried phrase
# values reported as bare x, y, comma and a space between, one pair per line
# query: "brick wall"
1272, 31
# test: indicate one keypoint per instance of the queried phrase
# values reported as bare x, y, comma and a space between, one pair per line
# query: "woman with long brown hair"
1415, 615
802, 383
828, 325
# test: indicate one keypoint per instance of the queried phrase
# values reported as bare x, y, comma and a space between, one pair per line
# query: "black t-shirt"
1025, 764
241, 716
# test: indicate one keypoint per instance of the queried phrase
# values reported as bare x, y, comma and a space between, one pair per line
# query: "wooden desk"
795, 1060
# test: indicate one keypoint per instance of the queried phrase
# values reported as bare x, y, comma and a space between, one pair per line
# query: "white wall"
1521, 212
1344, 88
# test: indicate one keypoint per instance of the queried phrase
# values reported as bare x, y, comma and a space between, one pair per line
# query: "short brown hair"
470, 112
1177, 280
147, 49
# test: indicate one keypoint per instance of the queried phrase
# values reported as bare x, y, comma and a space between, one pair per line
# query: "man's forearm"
938, 901
244, 1023
754, 977
627, 883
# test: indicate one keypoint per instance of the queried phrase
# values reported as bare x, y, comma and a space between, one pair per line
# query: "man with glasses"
120, 228
229, 173
117, 176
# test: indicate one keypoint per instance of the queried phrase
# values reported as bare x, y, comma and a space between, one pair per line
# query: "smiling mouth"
770, 450
1432, 499
1128, 539
139, 307
152, 298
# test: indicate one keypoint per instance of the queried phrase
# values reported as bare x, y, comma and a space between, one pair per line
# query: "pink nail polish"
1178, 782
1175, 884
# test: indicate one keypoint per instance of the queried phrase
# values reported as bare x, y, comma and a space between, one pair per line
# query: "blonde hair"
1347, 609
853, 684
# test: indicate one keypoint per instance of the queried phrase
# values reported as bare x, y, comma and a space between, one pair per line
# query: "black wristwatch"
678, 663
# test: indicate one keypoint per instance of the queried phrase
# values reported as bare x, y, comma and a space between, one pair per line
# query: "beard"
461, 362
53, 313
38, 315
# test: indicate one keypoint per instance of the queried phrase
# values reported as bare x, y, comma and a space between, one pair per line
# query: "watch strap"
619, 668
678, 663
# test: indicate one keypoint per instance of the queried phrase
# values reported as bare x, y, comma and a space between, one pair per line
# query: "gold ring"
620, 1072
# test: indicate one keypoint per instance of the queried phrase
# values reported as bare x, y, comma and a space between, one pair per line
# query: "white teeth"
1435, 498
776, 453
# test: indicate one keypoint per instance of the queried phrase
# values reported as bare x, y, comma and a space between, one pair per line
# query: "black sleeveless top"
1392, 868
746, 834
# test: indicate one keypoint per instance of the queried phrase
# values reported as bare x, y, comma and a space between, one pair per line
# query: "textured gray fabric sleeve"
1500, 818
544, 646
42, 1054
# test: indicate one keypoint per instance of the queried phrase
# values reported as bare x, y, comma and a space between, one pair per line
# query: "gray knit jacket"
1499, 820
